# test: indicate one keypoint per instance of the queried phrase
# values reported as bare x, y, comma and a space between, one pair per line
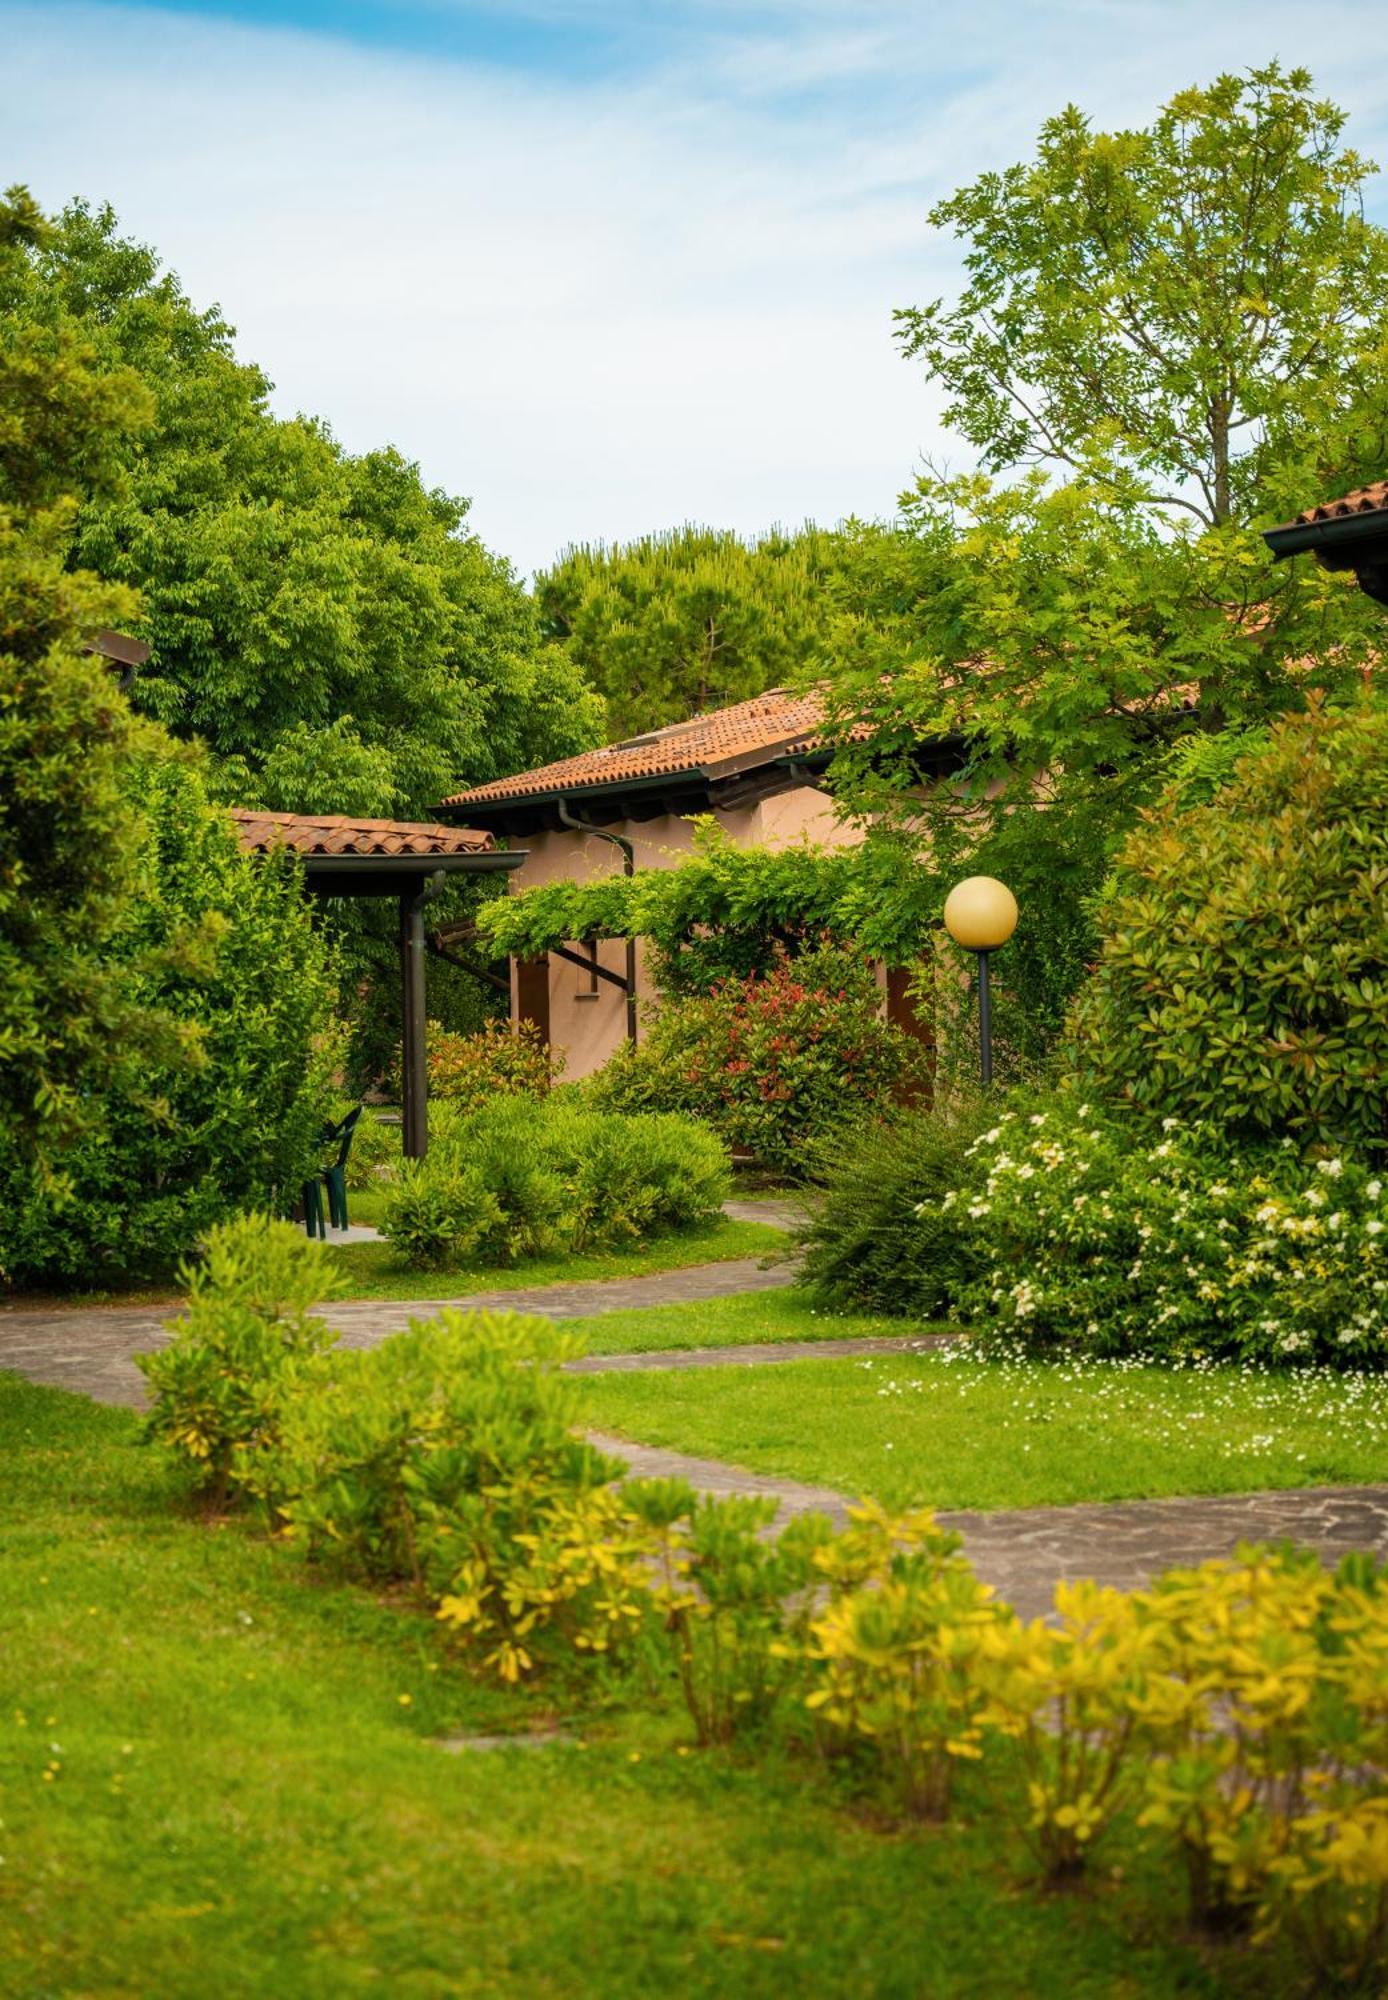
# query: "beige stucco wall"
587, 1028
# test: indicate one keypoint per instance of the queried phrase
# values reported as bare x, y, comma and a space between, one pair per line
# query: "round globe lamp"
981, 915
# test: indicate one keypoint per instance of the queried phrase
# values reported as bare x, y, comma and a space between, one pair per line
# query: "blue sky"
603, 267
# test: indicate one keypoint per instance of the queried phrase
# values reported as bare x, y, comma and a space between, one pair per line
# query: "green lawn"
955, 1432
374, 1271
750, 1317
217, 1777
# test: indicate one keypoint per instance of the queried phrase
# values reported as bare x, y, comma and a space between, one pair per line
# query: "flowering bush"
771, 1061
1093, 1241
503, 1059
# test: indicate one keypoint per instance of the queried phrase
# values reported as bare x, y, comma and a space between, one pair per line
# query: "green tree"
1164, 339
223, 1110
673, 624
325, 623
1199, 302
68, 835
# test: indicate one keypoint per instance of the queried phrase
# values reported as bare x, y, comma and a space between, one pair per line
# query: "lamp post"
980, 915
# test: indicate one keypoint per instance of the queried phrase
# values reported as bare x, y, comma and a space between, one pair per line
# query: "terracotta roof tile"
726, 740
1364, 500
329, 834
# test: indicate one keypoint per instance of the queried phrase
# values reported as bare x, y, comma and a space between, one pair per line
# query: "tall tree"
325, 622
1165, 338
1197, 302
672, 624
68, 835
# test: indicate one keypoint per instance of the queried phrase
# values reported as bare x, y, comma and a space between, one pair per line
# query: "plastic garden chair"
334, 1177
331, 1179
313, 1207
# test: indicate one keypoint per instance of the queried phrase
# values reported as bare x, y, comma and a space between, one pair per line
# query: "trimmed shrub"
503, 1059
1242, 980
772, 1061
440, 1212
519, 1179
880, 1239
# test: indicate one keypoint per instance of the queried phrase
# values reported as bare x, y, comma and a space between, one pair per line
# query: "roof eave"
1338, 534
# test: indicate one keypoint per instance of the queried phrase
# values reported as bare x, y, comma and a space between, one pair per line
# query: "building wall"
587, 1018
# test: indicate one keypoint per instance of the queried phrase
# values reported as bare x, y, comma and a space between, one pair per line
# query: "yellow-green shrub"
897, 1655
730, 1597
1067, 1694
448, 1458
1274, 1739
220, 1386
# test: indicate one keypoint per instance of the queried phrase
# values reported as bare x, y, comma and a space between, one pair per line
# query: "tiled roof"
331, 834
727, 740
1364, 500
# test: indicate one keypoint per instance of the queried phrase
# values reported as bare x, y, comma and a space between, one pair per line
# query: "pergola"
385, 857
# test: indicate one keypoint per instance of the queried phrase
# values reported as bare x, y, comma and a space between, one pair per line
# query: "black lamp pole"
985, 1023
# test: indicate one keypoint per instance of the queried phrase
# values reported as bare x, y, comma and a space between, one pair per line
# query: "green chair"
332, 1178
313, 1207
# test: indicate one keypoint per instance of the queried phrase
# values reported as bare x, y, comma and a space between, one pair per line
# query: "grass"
375, 1271
217, 1774
955, 1432
749, 1318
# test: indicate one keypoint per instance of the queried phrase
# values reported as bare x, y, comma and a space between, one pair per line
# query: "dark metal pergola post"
414, 1101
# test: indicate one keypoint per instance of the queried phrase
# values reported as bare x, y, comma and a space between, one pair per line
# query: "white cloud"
602, 307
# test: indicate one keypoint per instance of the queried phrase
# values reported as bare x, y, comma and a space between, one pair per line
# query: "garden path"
89, 1348
1022, 1552
1025, 1551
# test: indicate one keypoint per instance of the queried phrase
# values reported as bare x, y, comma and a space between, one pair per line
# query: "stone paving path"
1021, 1551
1024, 1551
89, 1350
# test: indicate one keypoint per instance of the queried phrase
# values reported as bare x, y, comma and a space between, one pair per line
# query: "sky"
612, 266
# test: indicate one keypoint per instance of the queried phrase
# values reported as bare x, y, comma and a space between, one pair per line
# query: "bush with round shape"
518, 1179
1243, 978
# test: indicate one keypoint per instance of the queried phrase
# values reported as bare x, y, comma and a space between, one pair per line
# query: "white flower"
1373, 1189
1331, 1167
1169, 1124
